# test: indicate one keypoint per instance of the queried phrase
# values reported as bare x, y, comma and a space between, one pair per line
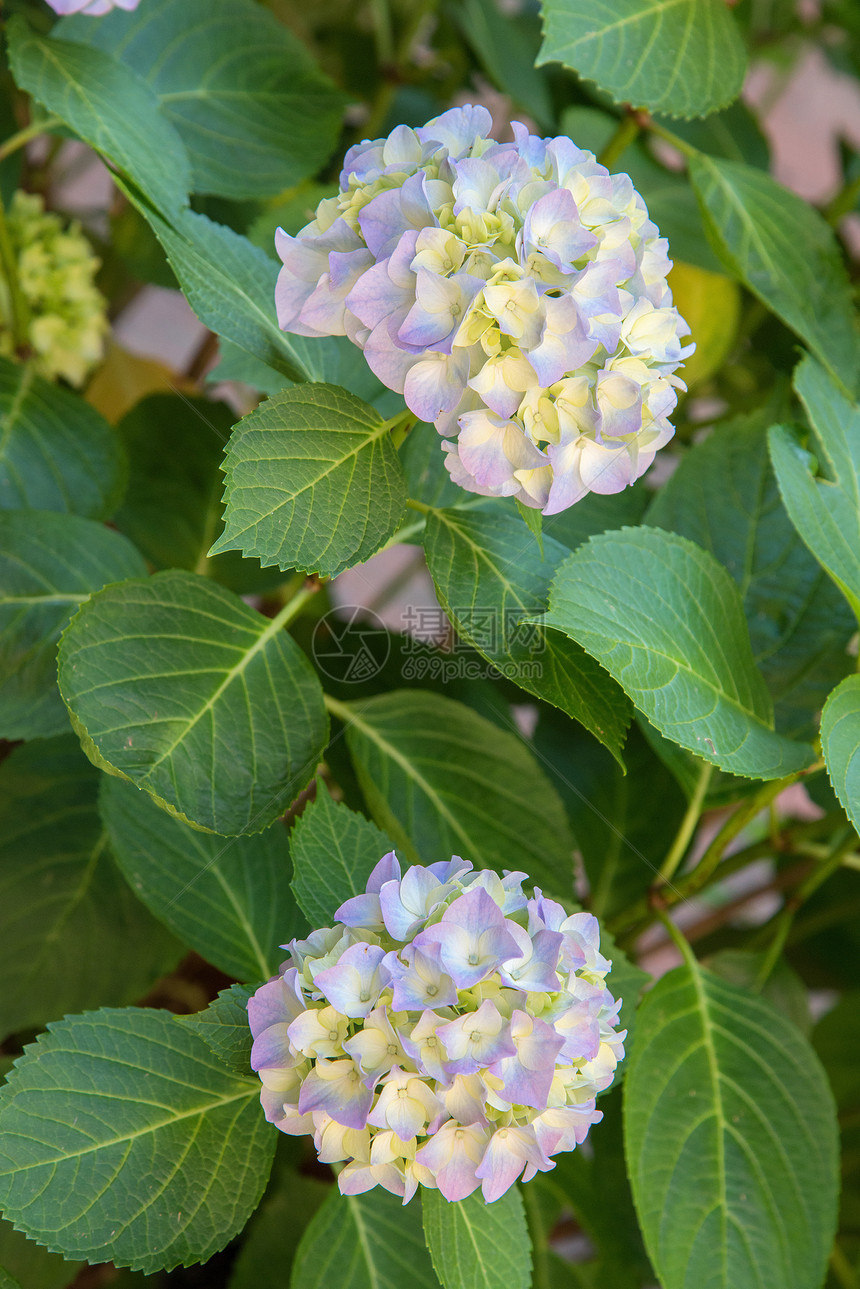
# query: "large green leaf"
313, 482
489, 573
247, 100
680, 57
109, 106
74, 936
623, 823
124, 1139
56, 452
840, 743
49, 565
228, 899
476, 1245
825, 511
369, 1241
730, 1133
333, 851
175, 684
724, 497
666, 621
442, 780
785, 252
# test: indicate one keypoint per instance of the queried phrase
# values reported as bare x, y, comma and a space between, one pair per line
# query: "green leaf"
475, 1245
730, 1133
223, 1027
442, 780
825, 511
176, 685
313, 482
840, 743
125, 1139
489, 574
680, 57
334, 851
49, 565
369, 1241
228, 899
247, 100
56, 452
74, 936
666, 621
724, 497
623, 823
785, 252
6, 1281
109, 106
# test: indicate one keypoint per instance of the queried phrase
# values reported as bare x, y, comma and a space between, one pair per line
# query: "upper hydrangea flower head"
56, 270
514, 293
447, 1032
93, 7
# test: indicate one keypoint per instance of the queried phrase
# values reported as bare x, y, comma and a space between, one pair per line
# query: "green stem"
667, 136
20, 319
735, 824
635, 919
844, 201
625, 133
842, 1269
383, 32
336, 708
294, 606
808, 887
400, 425
23, 137
684, 835
419, 506
681, 943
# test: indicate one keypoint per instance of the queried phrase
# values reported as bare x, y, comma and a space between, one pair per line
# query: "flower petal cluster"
56, 271
514, 293
447, 1032
93, 7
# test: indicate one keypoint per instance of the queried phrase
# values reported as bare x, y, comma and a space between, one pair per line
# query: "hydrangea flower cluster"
56, 271
447, 1032
514, 293
93, 7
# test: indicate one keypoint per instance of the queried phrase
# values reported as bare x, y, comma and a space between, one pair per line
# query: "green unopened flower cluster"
56, 271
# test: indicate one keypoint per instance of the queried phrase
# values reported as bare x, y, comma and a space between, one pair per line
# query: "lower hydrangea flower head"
93, 7
56, 270
447, 1032
514, 293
